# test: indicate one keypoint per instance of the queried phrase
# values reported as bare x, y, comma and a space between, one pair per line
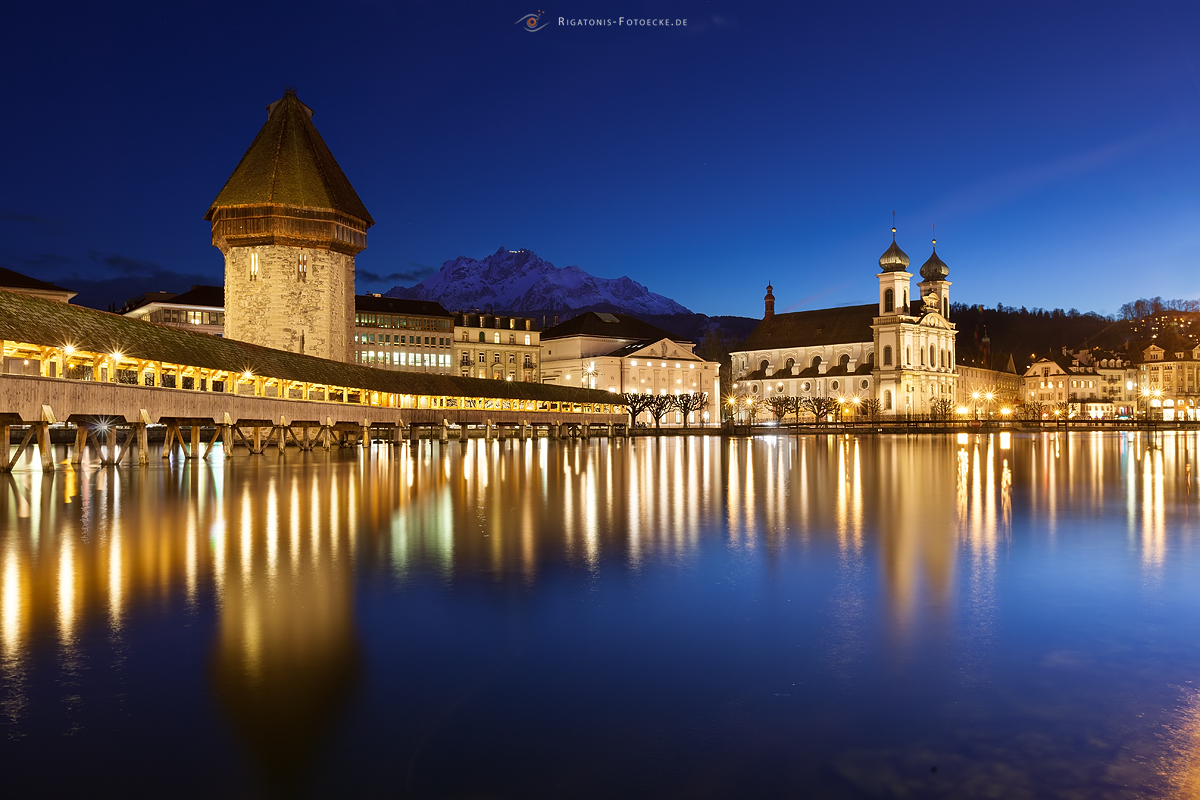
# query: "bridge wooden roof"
46, 323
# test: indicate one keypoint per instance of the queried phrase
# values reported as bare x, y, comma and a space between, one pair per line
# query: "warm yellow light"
857, 400
68, 349
1006, 411
247, 375
962, 409
974, 395
117, 356
989, 395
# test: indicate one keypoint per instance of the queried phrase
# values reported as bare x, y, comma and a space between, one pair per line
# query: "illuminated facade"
497, 347
201, 309
402, 335
899, 350
1168, 371
619, 353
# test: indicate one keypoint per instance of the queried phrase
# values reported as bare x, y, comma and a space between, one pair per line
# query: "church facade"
898, 350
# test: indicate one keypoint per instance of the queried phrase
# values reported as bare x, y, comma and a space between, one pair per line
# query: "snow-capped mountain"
518, 282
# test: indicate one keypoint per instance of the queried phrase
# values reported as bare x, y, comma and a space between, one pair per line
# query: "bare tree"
687, 403
872, 409
636, 403
1033, 409
819, 407
659, 405
942, 408
780, 405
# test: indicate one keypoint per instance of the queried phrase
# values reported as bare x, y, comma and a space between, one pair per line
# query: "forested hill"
1028, 333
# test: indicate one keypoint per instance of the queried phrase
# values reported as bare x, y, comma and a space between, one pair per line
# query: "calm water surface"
976, 616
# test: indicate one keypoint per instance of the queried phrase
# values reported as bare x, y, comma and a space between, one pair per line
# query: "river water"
873, 616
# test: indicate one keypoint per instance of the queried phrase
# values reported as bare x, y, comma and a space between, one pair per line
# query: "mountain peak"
519, 282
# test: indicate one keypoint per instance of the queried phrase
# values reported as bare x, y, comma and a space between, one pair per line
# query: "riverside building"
898, 350
619, 353
404, 335
497, 347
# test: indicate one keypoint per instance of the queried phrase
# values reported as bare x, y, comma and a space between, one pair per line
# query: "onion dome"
934, 269
894, 259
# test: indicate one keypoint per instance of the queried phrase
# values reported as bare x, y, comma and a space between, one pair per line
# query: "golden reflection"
275, 544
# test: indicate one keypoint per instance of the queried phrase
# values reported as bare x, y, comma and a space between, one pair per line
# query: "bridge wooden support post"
521, 430
445, 434
554, 430
143, 445
169, 442
625, 430
77, 448
283, 431
414, 433
256, 437
610, 430
500, 432
8, 462
110, 441
5, 434
487, 431
43, 439
194, 451
365, 435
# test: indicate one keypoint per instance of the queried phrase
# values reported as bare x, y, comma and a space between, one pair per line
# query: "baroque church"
899, 350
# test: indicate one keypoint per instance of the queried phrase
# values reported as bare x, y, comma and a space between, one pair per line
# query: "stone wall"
276, 308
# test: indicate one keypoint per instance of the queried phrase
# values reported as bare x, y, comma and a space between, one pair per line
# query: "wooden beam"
11, 462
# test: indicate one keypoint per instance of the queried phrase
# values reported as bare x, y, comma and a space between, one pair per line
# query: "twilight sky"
1053, 144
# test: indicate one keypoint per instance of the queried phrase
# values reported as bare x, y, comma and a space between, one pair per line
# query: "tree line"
658, 405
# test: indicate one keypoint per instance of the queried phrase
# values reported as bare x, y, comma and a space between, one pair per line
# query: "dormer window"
302, 267
254, 266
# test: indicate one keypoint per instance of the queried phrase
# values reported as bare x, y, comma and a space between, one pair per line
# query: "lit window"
254, 266
495, 338
527, 339
302, 267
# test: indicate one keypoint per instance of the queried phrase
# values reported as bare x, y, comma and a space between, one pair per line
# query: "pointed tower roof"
288, 163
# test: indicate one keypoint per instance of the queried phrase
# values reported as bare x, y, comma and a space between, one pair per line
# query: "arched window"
527, 339
908, 356
512, 339
889, 301
887, 355
816, 362
791, 362
764, 365
844, 362
887, 400
932, 356
906, 301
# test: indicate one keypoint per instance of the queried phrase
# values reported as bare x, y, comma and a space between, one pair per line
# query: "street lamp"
975, 397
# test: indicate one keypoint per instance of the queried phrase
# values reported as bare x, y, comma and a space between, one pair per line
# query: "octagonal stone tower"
289, 225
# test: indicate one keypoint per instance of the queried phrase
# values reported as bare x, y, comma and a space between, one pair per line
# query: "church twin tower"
289, 225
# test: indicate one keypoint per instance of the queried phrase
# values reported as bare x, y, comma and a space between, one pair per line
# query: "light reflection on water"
845, 612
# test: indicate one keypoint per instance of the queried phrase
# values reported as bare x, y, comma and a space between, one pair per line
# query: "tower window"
889, 301
302, 267
887, 355
254, 266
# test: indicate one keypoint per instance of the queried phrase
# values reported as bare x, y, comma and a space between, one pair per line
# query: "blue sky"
1054, 145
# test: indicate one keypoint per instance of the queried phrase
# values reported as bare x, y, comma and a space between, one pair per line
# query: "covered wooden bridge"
112, 376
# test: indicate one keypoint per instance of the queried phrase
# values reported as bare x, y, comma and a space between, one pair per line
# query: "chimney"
556, 319
769, 303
